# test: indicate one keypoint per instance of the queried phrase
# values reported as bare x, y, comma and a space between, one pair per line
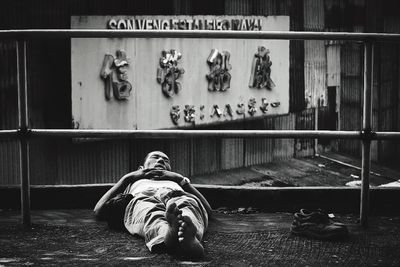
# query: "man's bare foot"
173, 215
188, 243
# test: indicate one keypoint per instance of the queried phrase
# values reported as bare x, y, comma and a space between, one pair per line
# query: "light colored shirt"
144, 184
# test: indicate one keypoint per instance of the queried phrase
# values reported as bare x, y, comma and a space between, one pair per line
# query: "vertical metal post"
367, 129
23, 128
316, 128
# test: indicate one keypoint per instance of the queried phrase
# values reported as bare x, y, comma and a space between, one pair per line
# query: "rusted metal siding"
70, 162
257, 151
314, 15
232, 150
66, 162
305, 120
389, 93
284, 148
8, 85
314, 54
296, 66
232, 153
180, 155
249, 152
206, 156
333, 64
92, 162
345, 15
9, 149
315, 73
351, 94
9, 162
388, 100
238, 7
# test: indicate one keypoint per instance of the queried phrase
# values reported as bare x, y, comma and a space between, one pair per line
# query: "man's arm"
119, 187
191, 189
178, 178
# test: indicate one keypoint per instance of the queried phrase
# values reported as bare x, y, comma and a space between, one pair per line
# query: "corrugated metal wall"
9, 162
351, 94
8, 85
314, 54
314, 15
296, 66
315, 73
260, 150
333, 64
68, 162
388, 111
74, 161
9, 149
305, 120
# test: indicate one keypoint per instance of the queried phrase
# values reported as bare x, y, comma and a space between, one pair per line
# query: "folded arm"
178, 178
191, 189
118, 188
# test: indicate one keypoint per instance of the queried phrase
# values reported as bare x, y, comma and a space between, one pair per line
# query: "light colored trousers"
145, 214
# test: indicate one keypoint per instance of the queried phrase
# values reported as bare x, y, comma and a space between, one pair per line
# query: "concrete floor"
235, 237
74, 238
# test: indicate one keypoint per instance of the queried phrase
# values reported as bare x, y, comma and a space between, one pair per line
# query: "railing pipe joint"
24, 132
368, 135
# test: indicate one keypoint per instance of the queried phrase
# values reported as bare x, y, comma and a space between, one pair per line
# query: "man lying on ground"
159, 205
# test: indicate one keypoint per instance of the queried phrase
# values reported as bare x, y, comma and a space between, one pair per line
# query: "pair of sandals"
317, 224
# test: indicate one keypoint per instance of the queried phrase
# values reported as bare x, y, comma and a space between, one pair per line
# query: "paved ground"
73, 238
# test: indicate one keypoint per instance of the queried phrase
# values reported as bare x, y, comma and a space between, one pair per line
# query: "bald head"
157, 160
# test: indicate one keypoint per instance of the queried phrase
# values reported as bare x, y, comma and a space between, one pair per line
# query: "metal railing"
24, 133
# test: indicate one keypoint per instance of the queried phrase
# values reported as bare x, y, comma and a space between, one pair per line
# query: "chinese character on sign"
216, 111
240, 110
189, 113
252, 106
169, 72
175, 114
264, 105
115, 74
261, 70
219, 78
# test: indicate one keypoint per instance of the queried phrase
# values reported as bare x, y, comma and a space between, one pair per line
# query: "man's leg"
192, 225
148, 216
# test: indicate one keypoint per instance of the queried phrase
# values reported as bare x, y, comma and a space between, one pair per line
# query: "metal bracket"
24, 132
368, 135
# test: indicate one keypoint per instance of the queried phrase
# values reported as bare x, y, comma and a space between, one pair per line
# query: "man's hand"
167, 175
141, 174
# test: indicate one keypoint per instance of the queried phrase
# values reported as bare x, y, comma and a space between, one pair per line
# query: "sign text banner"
147, 107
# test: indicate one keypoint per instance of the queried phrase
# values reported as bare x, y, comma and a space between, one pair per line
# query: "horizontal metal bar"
8, 133
286, 35
198, 133
77, 133
386, 136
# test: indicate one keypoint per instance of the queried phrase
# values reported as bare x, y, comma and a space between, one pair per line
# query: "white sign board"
215, 80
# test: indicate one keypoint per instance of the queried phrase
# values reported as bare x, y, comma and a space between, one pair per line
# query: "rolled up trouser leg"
192, 207
145, 214
145, 217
